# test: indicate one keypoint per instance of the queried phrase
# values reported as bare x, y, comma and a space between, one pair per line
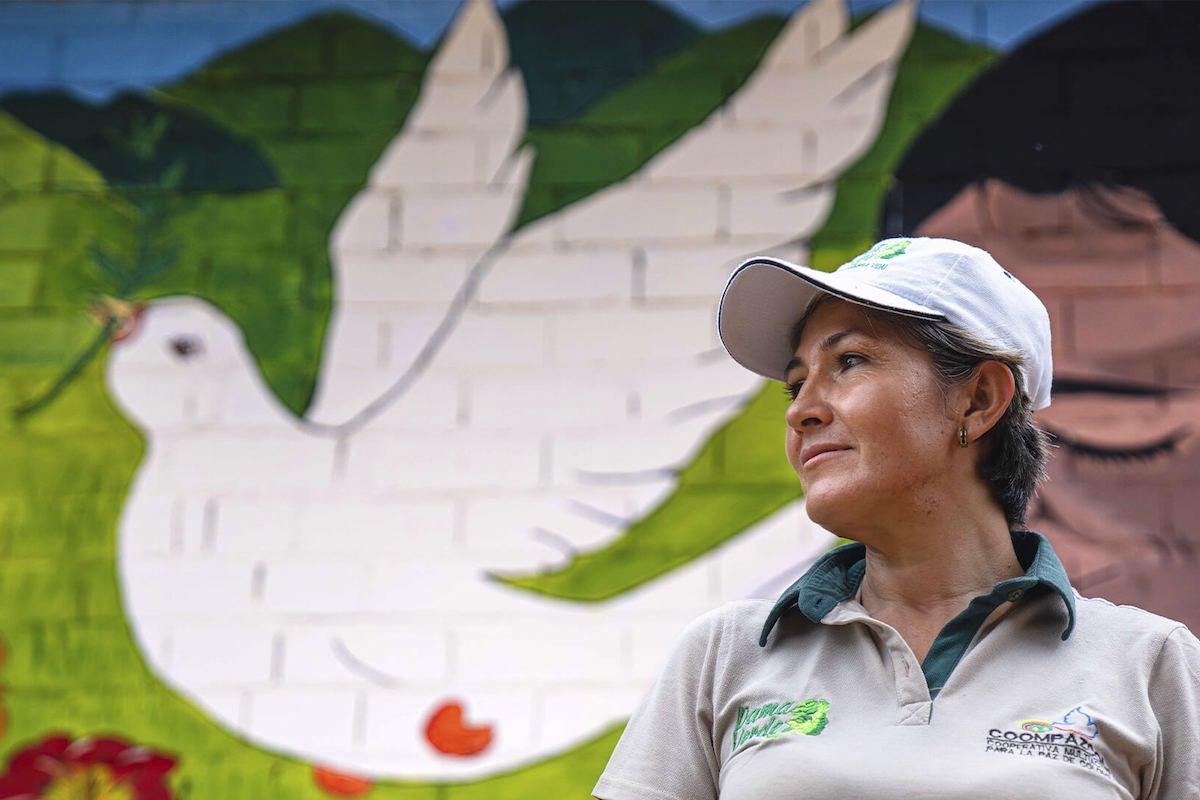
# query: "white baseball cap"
934, 279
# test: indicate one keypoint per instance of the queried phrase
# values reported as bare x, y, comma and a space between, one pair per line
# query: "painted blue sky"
97, 48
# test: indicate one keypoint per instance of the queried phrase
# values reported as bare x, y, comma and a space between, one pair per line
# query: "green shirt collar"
836, 575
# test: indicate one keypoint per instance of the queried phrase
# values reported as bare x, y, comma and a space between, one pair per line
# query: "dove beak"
128, 323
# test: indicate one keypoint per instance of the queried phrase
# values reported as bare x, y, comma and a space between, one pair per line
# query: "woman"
944, 654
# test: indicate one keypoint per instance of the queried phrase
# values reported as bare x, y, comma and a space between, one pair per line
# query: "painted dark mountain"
574, 54
134, 140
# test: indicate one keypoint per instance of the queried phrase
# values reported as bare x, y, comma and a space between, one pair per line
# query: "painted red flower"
59, 768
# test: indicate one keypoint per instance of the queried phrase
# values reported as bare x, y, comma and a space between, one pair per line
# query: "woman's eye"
850, 360
792, 389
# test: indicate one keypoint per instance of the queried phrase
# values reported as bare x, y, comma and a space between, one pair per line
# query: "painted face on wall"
1124, 477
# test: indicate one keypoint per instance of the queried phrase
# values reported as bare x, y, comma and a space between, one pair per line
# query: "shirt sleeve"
1175, 698
667, 751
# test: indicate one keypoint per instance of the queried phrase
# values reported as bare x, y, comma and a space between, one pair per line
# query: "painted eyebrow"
827, 344
1110, 387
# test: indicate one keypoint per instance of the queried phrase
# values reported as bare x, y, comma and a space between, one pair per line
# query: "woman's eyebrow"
828, 343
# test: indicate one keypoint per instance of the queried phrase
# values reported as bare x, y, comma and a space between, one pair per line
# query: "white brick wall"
384, 276
773, 208
365, 225
210, 460
453, 460
255, 525
388, 526
434, 158
632, 335
644, 213
221, 655
453, 219
326, 586
564, 399
755, 152
496, 342
543, 654
571, 275
185, 588
286, 714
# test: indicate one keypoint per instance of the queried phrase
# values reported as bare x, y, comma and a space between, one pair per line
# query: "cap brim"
766, 297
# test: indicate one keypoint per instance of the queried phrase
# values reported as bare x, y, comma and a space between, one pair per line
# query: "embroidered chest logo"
1070, 739
773, 720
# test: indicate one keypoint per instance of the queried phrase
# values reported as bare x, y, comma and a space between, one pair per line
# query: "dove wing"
637, 268
442, 194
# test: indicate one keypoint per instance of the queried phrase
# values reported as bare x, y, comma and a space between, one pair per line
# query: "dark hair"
1106, 98
1014, 449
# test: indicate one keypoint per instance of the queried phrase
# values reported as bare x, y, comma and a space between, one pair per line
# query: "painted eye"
1141, 451
185, 347
1109, 421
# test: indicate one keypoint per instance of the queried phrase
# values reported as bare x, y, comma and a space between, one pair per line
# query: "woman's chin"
825, 508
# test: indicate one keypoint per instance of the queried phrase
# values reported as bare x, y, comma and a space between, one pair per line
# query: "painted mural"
367, 430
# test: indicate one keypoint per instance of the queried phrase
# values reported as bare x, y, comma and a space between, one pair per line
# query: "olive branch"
123, 277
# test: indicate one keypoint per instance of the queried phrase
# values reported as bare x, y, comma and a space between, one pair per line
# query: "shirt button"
1015, 595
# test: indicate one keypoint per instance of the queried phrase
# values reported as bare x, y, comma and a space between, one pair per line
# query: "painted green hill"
134, 141
236, 175
572, 55
623, 130
320, 100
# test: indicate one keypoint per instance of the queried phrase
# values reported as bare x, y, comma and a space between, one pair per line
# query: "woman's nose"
808, 408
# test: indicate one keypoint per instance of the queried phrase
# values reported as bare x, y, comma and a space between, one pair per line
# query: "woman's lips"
818, 454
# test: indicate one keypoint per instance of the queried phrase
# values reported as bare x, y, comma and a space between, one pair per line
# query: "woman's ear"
988, 394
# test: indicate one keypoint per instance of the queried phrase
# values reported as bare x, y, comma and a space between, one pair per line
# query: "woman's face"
869, 429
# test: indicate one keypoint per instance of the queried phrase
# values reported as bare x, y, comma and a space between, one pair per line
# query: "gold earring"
962, 437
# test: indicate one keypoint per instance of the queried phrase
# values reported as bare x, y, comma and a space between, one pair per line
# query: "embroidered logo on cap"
789, 718
878, 256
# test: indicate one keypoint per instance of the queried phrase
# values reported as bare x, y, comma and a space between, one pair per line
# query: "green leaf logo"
809, 718
878, 256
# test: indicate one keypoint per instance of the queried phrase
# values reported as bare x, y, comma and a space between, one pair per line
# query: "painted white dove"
320, 585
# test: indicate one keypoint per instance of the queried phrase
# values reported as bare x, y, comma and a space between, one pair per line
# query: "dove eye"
186, 347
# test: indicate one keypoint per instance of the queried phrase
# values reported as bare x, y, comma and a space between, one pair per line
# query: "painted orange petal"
449, 734
341, 784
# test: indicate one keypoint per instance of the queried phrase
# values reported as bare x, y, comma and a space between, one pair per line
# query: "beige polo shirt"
1031, 692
